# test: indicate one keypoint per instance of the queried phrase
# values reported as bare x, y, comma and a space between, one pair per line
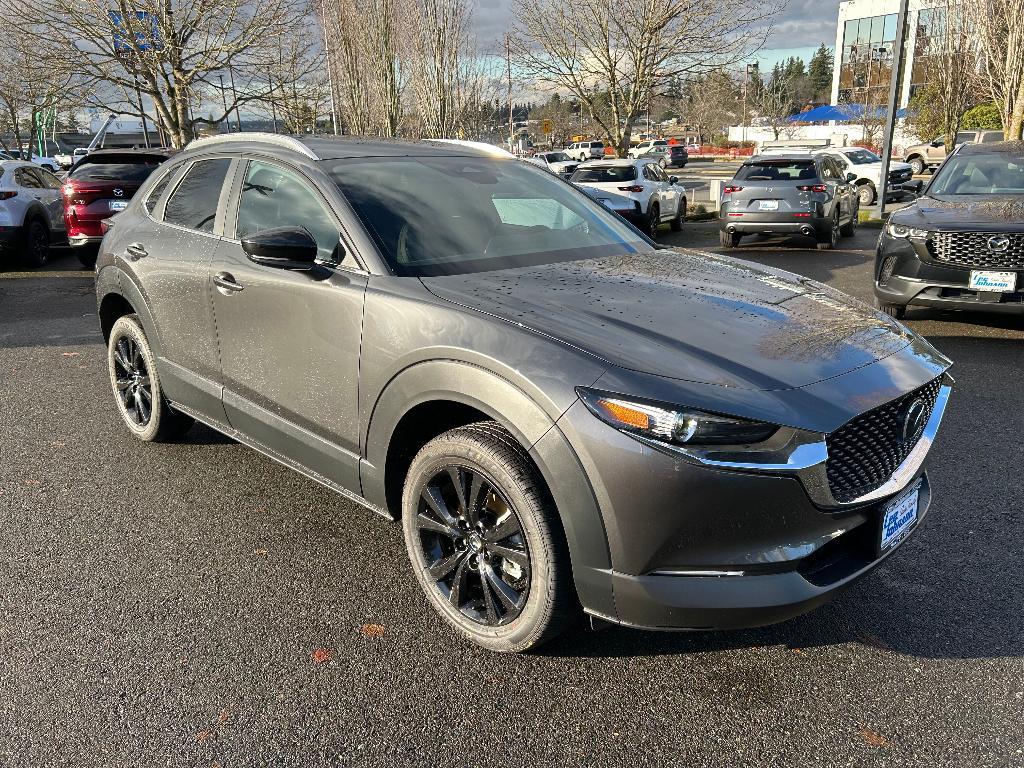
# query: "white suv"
585, 150
867, 167
656, 197
31, 211
645, 146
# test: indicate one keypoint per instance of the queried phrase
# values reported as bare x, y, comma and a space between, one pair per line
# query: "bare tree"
439, 65
632, 49
294, 85
999, 29
386, 68
36, 77
346, 36
710, 103
171, 50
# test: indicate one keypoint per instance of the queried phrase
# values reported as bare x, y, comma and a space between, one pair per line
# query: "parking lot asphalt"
199, 605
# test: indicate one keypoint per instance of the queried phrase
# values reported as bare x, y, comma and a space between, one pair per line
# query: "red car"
98, 186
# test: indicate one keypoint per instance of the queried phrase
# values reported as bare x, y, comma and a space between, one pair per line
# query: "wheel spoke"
508, 597
143, 381
455, 596
123, 384
144, 409
458, 476
432, 495
443, 567
427, 523
475, 501
506, 526
490, 606
517, 556
121, 355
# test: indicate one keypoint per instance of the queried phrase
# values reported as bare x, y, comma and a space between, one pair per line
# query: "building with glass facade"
865, 44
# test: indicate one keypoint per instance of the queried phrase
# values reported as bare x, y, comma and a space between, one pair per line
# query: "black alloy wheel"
134, 386
473, 545
833, 239
37, 244
653, 220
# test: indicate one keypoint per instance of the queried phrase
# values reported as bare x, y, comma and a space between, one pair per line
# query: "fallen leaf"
223, 717
204, 736
57, 444
372, 630
873, 738
798, 650
320, 655
259, 551
33, 482
69, 354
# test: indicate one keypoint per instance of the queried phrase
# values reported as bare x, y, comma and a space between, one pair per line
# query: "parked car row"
562, 415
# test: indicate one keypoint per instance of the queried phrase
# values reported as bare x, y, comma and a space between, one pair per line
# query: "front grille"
974, 249
864, 452
900, 176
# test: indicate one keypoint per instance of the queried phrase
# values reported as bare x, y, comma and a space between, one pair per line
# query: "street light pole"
224, 100
894, 85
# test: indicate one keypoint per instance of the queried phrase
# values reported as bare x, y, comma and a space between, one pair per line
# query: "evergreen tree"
819, 72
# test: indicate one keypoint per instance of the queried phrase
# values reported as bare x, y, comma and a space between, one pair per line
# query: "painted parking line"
53, 273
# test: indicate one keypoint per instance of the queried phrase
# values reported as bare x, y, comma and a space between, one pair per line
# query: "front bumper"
905, 276
705, 541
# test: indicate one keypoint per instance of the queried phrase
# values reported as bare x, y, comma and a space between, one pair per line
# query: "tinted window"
193, 203
607, 174
777, 170
273, 197
963, 137
991, 137
114, 168
494, 214
649, 173
24, 177
862, 157
988, 174
154, 196
49, 180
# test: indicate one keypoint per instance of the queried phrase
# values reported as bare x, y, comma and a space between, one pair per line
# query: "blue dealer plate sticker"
993, 281
899, 517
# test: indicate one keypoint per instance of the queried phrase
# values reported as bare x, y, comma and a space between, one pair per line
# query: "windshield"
114, 168
977, 174
453, 215
862, 157
777, 170
608, 174
557, 157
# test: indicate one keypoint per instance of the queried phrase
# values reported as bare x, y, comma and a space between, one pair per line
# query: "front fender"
456, 381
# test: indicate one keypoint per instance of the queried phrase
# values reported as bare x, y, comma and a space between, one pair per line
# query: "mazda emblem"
998, 243
912, 421
118, 192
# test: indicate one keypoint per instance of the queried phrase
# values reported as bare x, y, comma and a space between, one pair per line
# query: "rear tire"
829, 244
136, 385
515, 517
36, 250
916, 165
850, 228
729, 240
87, 256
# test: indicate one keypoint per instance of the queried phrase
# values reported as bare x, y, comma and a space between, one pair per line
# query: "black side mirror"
673, 179
938, 142
281, 247
851, 176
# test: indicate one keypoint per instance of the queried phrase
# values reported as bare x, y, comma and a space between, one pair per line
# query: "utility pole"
746, 80
273, 103
508, 70
330, 67
224, 100
894, 90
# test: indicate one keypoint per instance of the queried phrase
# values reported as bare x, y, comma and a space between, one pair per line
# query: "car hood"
563, 166
992, 213
687, 315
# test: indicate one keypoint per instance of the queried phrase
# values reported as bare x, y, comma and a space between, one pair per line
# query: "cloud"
803, 23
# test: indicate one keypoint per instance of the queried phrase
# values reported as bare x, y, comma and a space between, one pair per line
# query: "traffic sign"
547, 126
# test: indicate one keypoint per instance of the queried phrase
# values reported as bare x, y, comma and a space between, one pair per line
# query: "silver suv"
31, 211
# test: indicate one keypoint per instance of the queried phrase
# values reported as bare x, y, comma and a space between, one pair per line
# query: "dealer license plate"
769, 205
118, 205
899, 516
1004, 282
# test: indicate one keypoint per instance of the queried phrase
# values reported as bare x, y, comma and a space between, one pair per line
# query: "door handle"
226, 281
136, 251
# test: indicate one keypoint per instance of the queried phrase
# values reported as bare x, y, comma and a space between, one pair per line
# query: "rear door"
51, 198
290, 340
171, 248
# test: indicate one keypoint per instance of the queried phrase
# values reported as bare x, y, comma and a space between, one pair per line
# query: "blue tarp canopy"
842, 113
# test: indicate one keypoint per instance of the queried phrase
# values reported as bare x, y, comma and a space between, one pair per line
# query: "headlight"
898, 230
668, 424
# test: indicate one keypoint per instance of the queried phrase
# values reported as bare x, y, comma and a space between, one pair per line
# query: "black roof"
1008, 147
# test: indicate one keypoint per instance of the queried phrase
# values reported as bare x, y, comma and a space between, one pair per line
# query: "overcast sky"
803, 24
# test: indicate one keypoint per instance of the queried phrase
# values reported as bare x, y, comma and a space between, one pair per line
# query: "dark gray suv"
561, 413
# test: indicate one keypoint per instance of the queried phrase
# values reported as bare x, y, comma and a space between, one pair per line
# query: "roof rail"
286, 142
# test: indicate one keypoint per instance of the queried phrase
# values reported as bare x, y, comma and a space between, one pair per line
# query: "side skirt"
247, 441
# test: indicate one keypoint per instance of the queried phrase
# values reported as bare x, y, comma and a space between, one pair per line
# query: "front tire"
136, 385
916, 165
866, 194
484, 539
677, 221
653, 221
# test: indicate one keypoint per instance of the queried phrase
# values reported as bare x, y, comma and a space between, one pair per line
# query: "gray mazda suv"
562, 414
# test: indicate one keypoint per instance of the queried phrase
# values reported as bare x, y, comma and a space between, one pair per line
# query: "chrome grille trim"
971, 249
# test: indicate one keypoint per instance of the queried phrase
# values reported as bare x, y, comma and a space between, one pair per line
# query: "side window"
193, 204
274, 197
649, 173
49, 180
24, 177
659, 173
964, 136
828, 170
154, 194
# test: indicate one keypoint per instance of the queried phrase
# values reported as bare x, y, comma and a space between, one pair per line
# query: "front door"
289, 340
